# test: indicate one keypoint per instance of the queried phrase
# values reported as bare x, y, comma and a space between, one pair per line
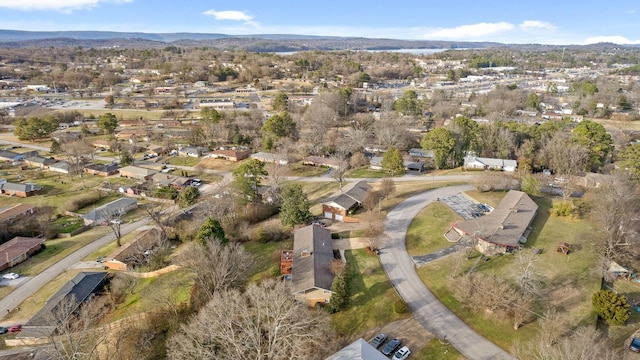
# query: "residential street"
23, 292
426, 308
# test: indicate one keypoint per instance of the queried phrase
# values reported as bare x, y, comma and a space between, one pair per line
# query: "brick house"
20, 190
350, 198
17, 250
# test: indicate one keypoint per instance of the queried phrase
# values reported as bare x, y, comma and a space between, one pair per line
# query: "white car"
402, 354
10, 276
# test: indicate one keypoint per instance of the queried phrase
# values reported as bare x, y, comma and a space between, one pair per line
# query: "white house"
472, 162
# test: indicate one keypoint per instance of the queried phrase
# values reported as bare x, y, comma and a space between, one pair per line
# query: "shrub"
84, 201
562, 208
611, 307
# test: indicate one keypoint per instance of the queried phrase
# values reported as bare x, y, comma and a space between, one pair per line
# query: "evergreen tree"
611, 307
188, 196
209, 230
340, 297
392, 161
295, 205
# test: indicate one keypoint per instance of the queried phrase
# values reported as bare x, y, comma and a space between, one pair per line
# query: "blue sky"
542, 21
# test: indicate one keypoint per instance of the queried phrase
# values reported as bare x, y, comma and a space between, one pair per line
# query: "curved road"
426, 308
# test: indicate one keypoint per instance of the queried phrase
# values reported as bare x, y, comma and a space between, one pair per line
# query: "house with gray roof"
39, 161
341, 203
115, 208
311, 277
266, 157
19, 189
358, 350
60, 166
478, 163
137, 172
503, 229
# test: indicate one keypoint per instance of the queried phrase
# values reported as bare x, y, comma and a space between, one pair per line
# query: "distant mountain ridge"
256, 43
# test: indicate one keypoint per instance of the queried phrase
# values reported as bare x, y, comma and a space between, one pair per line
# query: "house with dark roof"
503, 229
20, 189
17, 250
39, 161
9, 156
164, 179
348, 199
191, 151
116, 207
321, 161
101, 169
311, 277
16, 213
63, 303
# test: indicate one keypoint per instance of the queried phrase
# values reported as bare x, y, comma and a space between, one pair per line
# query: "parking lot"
466, 207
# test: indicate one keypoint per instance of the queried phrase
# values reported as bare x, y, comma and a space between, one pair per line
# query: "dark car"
15, 328
3, 330
378, 340
635, 345
391, 347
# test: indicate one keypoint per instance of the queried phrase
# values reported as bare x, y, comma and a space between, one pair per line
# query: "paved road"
426, 308
28, 288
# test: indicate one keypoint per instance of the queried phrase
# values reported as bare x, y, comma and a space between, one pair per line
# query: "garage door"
328, 215
338, 217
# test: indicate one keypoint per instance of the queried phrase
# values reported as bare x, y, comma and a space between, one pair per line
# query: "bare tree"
566, 159
617, 215
586, 343
264, 322
76, 152
113, 219
342, 165
527, 272
217, 267
387, 187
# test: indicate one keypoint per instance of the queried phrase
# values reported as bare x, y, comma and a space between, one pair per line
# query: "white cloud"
59, 5
233, 15
616, 39
534, 25
473, 31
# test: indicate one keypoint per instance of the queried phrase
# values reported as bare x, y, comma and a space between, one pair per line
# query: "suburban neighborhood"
473, 203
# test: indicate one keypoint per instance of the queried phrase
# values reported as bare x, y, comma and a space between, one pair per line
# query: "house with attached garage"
60, 166
137, 172
478, 163
101, 169
20, 189
311, 277
339, 205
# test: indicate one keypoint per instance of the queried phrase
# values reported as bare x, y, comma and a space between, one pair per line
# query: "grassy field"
182, 160
425, 235
67, 224
435, 350
297, 169
569, 281
631, 289
371, 296
366, 173
266, 257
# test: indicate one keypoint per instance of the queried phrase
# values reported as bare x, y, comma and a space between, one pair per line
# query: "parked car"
378, 340
3, 330
10, 276
15, 328
391, 347
402, 354
635, 345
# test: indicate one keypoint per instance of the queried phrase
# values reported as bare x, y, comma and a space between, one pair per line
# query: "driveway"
431, 313
28, 288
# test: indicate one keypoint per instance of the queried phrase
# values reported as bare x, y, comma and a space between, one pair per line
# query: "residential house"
20, 189
60, 166
137, 172
16, 213
312, 256
63, 303
17, 250
39, 161
217, 104
101, 144
478, 163
358, 350
177, 182
126, 256
231, 154
190, 151
10, 156
503, 229
101, 169
375, 163
321, 161
339, 205
266, 157
155, 150
103, 213
415, 152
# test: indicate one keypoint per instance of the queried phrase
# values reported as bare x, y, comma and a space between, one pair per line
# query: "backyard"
569, 280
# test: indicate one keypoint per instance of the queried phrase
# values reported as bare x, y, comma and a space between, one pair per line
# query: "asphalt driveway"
431, 313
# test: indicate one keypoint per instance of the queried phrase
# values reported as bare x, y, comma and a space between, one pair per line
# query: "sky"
559, 22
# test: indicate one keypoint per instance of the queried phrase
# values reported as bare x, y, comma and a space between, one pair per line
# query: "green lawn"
366, 173
569, 280
266, 257
630, 289
67, 224
182, 160
425, 234
492, 198
371, 296
297, 169
435, 350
